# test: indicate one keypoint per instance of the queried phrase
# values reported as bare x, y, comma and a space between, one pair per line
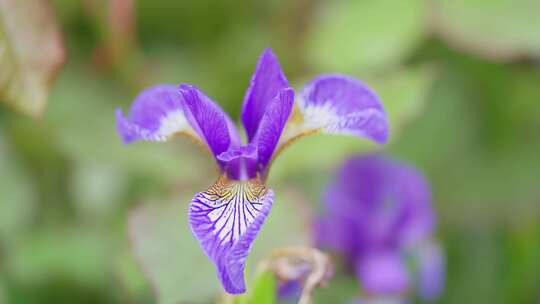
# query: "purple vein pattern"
220, 218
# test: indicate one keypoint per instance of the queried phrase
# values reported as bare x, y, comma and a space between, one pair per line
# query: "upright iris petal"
207, 119
378, 213
267, 81
272, 124
226, 218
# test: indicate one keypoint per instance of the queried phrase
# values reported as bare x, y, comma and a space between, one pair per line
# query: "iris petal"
208, 120
156, 115
265, 85
225, 220
337, 104
272, 124
161, 111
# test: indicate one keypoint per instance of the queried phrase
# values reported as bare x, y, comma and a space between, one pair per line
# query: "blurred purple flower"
227, 217
378, 214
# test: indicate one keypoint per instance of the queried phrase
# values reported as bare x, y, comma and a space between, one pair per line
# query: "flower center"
239, 163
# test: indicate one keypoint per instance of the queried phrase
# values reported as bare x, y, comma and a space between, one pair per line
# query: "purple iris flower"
378, 215
226, 218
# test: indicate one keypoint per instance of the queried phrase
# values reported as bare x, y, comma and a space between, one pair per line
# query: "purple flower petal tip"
122, 126
185, 88
380, 132
156, 114
340, 104
268, 52
267, 81
225, 220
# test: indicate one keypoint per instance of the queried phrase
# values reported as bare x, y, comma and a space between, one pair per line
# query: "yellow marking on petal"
294, 138
235, 205
294, 130
224, 188
296, 116
287, 142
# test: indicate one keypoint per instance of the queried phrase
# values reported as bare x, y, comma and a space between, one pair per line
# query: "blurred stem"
288, 264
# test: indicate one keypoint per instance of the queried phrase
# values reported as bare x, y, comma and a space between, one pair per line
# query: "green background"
81, 215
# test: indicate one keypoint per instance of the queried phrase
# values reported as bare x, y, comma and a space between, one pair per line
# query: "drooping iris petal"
272, 124
156, 114
265, 84
383, 273
338, 104
225, 220
208, 120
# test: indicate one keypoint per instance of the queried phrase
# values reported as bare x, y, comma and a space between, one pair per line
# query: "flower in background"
378, 215
227, 217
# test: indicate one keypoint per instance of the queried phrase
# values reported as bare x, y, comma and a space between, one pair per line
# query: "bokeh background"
81, 215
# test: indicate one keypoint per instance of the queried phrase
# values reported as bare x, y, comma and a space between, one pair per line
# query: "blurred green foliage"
381, 34
81, 216
26, 74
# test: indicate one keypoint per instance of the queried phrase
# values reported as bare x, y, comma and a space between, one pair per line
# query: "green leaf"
169, 255
264, 291
78, 253
239, 299
351, 35
502, 29
31, 52
3, 291
405, 95
129, 274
